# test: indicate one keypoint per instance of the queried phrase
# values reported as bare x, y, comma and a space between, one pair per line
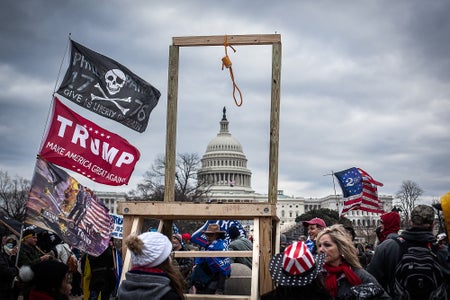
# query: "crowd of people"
23, 263
413, 264
324, 263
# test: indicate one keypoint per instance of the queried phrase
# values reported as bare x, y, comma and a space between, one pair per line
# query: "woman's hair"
176, 279
48, 277
345, 246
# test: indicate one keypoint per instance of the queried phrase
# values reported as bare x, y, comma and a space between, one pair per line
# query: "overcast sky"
363, 84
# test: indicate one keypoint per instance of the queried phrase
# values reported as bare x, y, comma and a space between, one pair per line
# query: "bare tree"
408, 194
152, 188
187, 165
13, 196
186, 184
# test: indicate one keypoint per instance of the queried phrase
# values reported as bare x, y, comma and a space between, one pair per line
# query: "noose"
226, 62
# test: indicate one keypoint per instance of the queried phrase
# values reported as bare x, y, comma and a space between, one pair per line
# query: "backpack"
418, 275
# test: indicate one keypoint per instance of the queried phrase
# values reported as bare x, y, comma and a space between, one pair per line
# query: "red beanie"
391, 222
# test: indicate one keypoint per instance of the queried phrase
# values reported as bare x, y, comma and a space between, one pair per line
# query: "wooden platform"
266, 224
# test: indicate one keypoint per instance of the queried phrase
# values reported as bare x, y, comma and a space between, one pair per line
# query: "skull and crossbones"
115, 80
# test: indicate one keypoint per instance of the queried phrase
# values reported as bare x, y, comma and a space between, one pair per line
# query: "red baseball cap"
186, 236
315, 221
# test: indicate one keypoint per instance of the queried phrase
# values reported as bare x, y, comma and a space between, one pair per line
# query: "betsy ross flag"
359, 191
108, 88
59, 203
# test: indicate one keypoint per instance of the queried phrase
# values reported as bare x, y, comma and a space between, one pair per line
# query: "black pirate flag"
108, 88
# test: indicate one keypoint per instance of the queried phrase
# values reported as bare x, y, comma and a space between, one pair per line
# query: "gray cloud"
363, 83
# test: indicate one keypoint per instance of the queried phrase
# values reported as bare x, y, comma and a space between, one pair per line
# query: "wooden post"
274, 123
134, 227
171, 127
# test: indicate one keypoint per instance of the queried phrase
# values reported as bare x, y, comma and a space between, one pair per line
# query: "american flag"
97, 216
359, 191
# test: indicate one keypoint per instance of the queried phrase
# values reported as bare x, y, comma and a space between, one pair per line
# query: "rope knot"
226, 62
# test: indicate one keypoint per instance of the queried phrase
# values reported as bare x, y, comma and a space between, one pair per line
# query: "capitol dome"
224, 164
224, 142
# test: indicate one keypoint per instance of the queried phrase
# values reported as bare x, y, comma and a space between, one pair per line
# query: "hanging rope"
226, 62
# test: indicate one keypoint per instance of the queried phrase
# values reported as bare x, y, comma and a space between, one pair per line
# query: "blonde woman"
342, 267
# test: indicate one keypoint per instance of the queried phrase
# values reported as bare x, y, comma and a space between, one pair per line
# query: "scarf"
147, 270
332, 275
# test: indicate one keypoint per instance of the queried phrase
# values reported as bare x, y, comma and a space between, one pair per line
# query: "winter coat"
344, 287
7, 273
142, 285
184, 264
216, 264
313, 291
241, 244
28, 255
388, 254
103, 276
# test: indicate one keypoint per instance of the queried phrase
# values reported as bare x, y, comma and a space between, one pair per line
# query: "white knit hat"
157, 248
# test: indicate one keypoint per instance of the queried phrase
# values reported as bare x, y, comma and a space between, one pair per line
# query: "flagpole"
335, 194
54, 91
61, 64
19, 246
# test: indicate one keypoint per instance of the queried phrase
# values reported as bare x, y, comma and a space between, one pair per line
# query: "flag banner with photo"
59, 203
117, 232
359, 191
80, 145
106, 87
199, 238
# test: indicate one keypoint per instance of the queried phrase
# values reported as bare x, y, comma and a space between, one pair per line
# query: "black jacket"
388, 254
7, 273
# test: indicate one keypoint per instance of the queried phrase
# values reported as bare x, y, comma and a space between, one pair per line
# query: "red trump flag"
78, 144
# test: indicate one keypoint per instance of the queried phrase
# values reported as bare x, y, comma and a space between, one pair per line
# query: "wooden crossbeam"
218, 40
212, 253
192, 211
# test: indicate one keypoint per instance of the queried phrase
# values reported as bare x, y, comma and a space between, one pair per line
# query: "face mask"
10, 245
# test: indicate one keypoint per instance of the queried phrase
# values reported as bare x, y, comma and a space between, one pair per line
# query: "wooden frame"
263, 214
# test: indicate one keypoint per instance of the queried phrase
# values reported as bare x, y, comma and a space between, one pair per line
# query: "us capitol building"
224, 177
